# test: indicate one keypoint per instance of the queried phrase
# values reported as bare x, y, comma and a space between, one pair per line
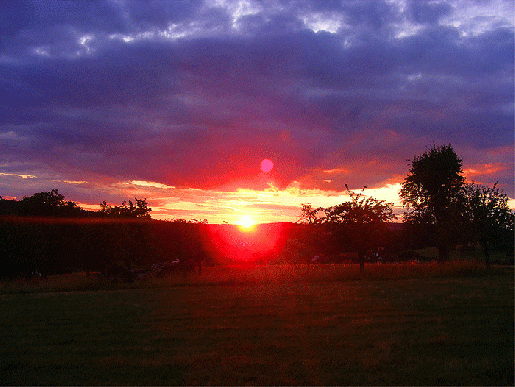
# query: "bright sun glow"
246, 222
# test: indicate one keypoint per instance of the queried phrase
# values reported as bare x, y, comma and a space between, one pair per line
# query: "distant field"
316, 325
253, 274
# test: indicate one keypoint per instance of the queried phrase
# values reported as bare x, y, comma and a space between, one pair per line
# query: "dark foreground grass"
436, 330
244, 275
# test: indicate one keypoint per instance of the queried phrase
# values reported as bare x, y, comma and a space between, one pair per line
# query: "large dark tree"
489, 218
432, 193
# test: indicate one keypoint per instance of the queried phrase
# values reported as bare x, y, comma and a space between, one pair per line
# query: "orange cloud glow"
484, 169
262, 206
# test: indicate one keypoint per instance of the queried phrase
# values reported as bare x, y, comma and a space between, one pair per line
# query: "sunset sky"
180, 102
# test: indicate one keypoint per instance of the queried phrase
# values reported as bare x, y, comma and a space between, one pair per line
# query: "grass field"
318, 325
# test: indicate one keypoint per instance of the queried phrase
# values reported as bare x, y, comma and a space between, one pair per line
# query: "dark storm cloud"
197, 93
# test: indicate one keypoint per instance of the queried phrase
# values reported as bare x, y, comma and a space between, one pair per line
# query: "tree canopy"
360, 210
433, 185
309, 214
53, 204
488, 217
432, 193
50, 203
140, 209
358, 224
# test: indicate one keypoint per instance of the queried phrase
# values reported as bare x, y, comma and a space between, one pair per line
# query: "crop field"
285, 325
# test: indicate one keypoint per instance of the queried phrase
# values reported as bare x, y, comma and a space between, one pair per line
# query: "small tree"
488, 216
432, 193
309, 215
361, 221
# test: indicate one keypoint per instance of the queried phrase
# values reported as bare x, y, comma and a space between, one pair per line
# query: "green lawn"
306, 329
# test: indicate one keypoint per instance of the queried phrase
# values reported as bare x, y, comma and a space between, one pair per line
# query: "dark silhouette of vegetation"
46, 234
139, 209
52, 204
488, 217
310, 215
42, 204
8, 207
358, 224
433, 195
361, 221
116, 247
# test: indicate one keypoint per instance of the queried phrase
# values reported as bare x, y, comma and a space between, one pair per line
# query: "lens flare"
266, 165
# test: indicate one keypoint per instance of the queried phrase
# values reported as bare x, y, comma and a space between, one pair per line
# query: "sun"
246, 222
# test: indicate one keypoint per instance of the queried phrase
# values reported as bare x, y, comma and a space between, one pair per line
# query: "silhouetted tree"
47, 204
489, 218
8, 207
315, 241
361, 222
432, 193
309, 215
357, 224
139, 209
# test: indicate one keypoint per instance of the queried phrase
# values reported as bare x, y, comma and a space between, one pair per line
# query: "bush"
409, 255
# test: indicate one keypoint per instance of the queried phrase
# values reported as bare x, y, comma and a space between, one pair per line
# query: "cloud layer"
195, 94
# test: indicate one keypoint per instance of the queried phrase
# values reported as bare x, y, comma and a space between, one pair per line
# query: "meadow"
406, 324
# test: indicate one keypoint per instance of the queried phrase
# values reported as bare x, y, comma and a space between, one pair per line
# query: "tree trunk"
486, 251
443, 253
361, 259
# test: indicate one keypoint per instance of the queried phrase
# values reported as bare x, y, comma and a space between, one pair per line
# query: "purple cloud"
196, 93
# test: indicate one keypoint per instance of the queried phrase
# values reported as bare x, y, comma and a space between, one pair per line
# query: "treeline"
44, 233
52, 245
63, 245
442, 210
53, 204
46, 246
